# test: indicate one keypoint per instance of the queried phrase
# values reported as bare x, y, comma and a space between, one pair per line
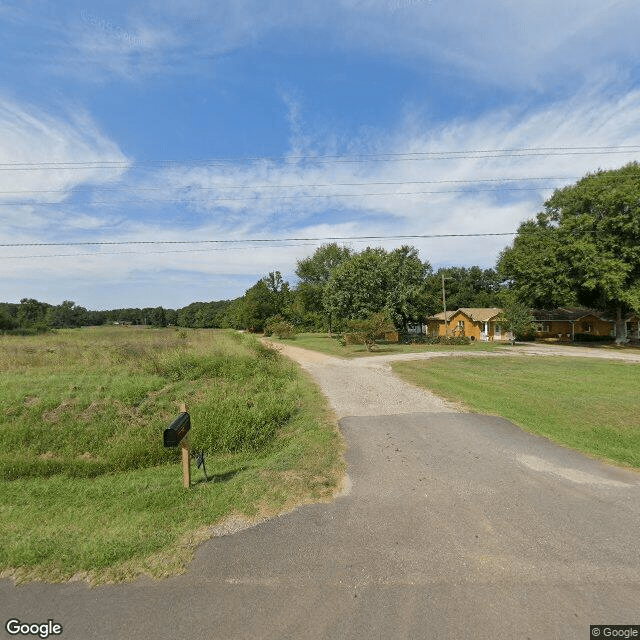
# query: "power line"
354, 158
292, 242
289, 186
276, 241
280, 197
140, 253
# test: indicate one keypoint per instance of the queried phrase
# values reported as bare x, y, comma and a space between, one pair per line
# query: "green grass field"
587, 404
87, 486
324, 343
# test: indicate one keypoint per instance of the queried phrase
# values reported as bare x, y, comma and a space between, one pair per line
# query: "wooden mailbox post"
186, 455
177, 433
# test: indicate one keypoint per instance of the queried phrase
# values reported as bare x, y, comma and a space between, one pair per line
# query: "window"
461, 325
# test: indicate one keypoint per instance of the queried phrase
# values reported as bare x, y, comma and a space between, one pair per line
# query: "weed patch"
82, 414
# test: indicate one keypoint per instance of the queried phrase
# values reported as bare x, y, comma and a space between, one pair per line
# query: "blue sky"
186, 120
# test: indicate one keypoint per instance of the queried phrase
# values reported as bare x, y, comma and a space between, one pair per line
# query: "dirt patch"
55, 415
48, 455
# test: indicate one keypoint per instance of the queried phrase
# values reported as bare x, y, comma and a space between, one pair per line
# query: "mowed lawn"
331, 346
87, 488
588, 404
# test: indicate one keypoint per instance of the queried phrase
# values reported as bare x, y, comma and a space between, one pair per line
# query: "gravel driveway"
364, 386
368, 386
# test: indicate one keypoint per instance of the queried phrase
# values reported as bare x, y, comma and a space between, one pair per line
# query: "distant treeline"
582, 250
334, 285
32, 316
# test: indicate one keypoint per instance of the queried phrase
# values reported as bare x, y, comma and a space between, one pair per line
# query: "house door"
497, 332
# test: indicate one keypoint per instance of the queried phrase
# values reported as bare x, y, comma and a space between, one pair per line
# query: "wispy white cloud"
98, 46
512, 45
38, 163
35, 143
516, 44
236, 200
388, 187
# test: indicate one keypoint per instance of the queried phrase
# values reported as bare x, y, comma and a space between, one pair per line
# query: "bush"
279, 327
528, 335
417, 338
454, 340
32, 330
368, 331
589, 337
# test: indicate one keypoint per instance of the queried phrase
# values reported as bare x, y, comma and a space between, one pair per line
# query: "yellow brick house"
482, 324
564, 323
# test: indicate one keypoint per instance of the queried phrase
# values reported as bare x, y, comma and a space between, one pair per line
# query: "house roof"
481, 314
476, 314
570, 314
440, 316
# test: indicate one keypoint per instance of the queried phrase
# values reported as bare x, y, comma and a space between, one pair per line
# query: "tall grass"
82, 414
94, 402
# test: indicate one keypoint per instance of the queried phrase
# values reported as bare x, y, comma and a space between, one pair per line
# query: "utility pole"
444, 304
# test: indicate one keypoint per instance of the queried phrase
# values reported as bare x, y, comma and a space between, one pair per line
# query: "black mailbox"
177, 430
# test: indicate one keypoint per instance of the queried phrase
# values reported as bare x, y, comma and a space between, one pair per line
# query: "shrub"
417, 338
454, 340
589, 337
527, 335
368, 331
32, 330
279, 327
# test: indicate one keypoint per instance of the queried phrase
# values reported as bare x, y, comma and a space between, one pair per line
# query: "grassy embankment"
87, 487
587, 404
324, 343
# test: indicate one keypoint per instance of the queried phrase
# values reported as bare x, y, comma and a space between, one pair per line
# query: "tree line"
334, 285
583, 249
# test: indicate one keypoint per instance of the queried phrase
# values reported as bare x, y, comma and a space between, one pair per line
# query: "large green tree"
583, 248
313, 275
466, 287
270, 296
407, 299
375, 280
32, 313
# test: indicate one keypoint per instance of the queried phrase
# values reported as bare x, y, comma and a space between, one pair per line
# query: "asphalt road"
456, 526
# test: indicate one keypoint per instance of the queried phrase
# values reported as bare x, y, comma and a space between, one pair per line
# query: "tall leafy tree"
375, 280
466, 287
31, 312
67, 314
357, 288
270, 296
407, 299
584, 247
313, 275
534, 268
7, 320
